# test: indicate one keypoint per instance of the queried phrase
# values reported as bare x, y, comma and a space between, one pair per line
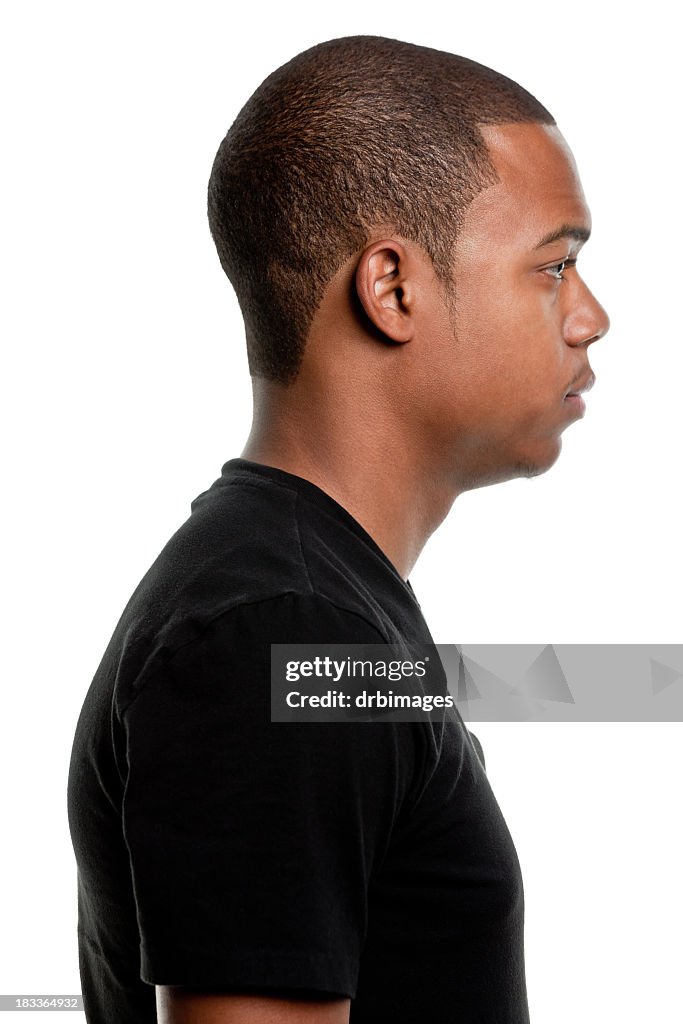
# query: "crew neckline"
312, 492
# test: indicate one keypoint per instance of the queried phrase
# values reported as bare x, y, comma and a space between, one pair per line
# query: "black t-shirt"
219, 850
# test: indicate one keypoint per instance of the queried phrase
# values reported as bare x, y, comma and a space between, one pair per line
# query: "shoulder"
247, 543
293, 616
233, 648
255, 563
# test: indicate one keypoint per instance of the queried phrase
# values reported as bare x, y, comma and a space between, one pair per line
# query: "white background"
125, 388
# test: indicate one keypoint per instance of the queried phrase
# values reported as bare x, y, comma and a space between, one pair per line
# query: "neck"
390, 487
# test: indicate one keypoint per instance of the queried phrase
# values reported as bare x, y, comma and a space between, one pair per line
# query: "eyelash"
563, 264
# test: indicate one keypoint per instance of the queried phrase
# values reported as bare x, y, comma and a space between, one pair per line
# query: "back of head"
351, 133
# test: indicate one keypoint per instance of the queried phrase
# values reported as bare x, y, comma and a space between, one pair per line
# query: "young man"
401, 227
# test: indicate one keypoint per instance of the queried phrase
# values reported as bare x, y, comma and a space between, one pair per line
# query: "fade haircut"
351, 133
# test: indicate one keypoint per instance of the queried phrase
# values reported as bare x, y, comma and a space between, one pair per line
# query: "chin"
529, 469
527, 463
536, 465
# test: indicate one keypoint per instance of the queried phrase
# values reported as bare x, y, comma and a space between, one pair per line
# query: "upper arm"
252, 843
185, 1006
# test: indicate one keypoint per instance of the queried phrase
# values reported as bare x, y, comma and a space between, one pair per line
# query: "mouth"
573, 398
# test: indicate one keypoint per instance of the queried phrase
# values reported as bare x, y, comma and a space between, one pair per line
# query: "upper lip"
585, 384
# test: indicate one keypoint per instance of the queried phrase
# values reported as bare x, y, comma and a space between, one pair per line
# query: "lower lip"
577, 402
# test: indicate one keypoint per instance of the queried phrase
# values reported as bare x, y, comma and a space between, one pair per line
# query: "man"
401, 227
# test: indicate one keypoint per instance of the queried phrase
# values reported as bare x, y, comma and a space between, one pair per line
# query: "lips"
584, 385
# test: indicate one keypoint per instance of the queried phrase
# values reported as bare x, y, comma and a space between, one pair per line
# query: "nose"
587, 321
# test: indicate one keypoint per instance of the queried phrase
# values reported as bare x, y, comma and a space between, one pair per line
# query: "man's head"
373, 192
351, 133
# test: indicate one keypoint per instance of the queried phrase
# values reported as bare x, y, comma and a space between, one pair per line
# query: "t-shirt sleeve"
253, 843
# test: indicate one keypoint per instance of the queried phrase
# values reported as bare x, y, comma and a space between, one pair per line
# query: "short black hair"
351, 133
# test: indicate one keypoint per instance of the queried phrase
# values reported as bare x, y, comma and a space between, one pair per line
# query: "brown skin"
400, 405
182, 1006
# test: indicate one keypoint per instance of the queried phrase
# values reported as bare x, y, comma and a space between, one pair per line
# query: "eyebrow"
575, 231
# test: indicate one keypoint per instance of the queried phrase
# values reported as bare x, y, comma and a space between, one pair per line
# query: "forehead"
539, 188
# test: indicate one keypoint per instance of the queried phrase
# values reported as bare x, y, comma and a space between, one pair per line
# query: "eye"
557, 269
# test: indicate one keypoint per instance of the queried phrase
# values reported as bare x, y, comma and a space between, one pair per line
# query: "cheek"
512, 387
508, 351
493, 318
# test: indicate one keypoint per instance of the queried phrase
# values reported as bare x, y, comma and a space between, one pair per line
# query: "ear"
386, 290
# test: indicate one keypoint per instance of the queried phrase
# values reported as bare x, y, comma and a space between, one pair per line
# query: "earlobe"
384, 289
